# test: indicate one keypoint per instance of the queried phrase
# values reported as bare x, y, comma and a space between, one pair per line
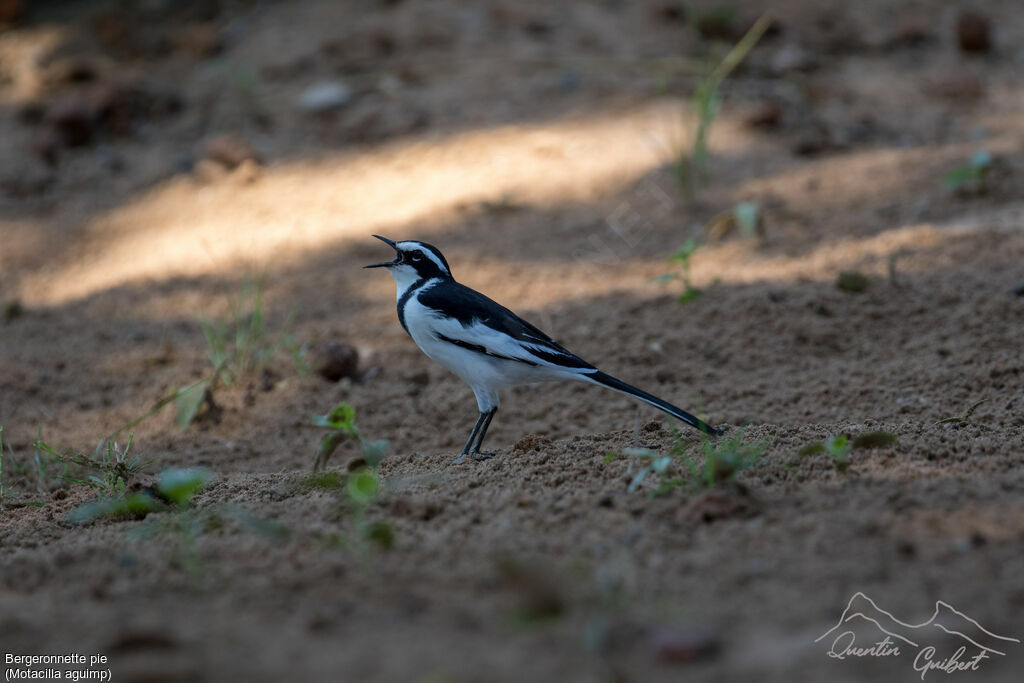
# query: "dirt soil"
155, 157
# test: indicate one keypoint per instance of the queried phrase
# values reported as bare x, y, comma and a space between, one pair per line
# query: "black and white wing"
469, 319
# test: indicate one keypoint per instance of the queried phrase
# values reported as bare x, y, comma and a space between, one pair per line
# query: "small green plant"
723, 460
361, 486
972, 176
655, 463
357, 491
111, 464
691, 165
341, 423
875, 439
175, 488
174, 494
838, 447
325, 480
178, 487
239, 346
41, 473
727, 457
683, 257
962, 419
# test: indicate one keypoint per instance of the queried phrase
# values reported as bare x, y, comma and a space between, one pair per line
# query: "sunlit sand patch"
740, 263
294, 209
20, 52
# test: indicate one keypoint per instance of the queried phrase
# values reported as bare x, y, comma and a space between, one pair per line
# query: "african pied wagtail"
484, 343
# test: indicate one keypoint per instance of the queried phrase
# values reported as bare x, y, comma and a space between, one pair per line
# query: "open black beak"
385, 264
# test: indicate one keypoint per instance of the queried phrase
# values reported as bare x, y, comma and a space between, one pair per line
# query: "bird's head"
414, 261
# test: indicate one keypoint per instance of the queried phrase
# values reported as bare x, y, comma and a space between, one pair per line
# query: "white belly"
480, 371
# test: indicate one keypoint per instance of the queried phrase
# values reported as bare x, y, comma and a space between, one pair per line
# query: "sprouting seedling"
973, 175
362, 489
21, 471
114, 469
180, 485
966, 417
341, 422
723, 460
727, 457
49, 466
238, 347
357, 491
656, 463
683, 257
838, 446
361, 485
174, 493
692, 167
174, 489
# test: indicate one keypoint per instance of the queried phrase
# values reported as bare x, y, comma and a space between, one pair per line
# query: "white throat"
405, 277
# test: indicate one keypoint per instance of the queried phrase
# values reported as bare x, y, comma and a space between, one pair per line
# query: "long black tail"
623, 388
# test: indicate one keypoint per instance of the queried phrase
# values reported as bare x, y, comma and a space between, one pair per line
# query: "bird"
485, 344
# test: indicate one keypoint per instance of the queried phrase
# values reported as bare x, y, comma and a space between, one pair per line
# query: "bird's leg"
472, 438
475, 453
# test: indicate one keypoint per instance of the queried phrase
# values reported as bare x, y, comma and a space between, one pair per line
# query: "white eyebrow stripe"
405, 246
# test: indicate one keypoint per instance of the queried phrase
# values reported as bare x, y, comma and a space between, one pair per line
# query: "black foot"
478, 456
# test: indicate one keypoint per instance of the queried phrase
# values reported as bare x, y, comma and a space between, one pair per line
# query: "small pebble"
335, 360
325, 97
972, 32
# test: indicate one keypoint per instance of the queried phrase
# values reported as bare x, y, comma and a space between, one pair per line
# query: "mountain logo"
893, 637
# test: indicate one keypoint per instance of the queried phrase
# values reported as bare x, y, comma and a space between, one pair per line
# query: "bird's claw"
478, 456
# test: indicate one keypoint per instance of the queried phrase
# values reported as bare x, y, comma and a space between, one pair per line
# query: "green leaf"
874, 440
747, 216
960, 176
380, 534
342, 416
363, 485
131, 507
638, 479
323, 481
812, 448
838, 444
374, 451
327, 446
188, 401
981, 159
685, 252
690, 294
180, 485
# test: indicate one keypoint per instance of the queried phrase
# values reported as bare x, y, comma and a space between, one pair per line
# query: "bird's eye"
416, 257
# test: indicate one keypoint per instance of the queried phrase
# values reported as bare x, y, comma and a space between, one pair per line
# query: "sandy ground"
534, 146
